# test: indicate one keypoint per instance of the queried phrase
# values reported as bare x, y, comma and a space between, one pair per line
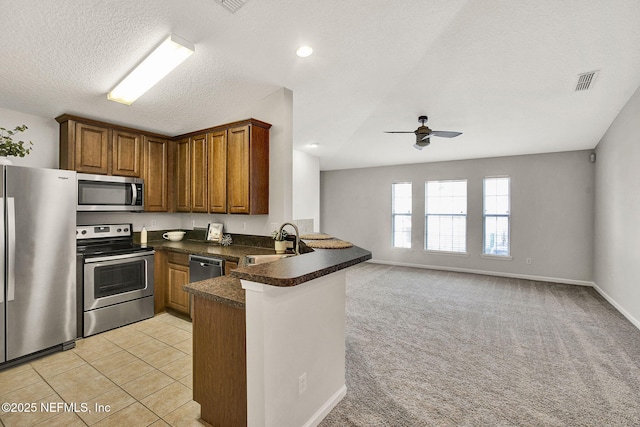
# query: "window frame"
394, 215
484, 254
465, 215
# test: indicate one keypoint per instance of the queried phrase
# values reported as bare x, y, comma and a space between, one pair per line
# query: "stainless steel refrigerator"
38, 263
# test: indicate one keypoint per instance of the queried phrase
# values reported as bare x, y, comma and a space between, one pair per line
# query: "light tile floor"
143, 372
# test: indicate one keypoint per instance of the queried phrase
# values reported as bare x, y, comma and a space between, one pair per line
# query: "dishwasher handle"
206, 262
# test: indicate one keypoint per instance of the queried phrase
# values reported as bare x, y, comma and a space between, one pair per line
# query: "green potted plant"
280, 241
9, 147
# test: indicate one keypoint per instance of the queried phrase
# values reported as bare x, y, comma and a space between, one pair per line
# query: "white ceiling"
502, 72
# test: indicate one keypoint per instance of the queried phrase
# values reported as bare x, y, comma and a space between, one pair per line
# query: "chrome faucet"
297, 247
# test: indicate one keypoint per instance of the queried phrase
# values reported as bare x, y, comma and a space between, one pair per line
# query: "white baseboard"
617, 306
324, 410
488, 273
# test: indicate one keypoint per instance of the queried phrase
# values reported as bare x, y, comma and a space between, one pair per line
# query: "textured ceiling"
502, 72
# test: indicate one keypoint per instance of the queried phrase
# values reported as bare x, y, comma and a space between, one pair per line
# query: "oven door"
114, 279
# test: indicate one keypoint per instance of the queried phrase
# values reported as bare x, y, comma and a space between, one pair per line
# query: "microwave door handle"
134, 194
11, 250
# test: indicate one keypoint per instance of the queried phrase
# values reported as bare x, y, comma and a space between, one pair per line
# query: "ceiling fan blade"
445, 134
426, 137
399, 131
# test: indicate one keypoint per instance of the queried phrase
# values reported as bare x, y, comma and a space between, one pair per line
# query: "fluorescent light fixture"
304, 51
152, 69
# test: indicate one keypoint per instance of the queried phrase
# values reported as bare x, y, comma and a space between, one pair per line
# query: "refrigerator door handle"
11, 250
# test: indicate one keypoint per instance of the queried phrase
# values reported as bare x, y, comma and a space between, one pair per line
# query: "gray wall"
552, 197
617, 212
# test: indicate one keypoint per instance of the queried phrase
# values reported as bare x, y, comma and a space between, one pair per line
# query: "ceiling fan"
423, 133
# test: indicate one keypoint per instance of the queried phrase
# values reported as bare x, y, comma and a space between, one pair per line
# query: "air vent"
586, 80
232, 5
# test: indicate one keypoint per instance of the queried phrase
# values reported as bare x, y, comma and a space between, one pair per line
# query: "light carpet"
434, 348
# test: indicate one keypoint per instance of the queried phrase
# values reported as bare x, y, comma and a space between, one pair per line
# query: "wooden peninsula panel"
219, 362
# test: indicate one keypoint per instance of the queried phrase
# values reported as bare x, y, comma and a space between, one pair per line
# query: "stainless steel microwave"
106, 193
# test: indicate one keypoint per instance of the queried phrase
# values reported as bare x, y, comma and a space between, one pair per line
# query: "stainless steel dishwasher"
203, 268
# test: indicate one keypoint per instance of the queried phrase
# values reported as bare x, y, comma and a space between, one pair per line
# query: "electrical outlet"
274, 226
193, 223
154, 223
243, 226
302, 384
528, 260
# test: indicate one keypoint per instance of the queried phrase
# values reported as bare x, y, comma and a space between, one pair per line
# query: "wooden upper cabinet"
199, 193
248, 169
223, 169
217, 146
183, 175
238, 169
91, 146
127, 153
91, 149
156, 174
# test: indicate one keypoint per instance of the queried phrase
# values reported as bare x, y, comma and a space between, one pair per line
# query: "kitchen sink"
261, 259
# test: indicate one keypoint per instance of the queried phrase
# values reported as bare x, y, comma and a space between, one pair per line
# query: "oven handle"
116, 257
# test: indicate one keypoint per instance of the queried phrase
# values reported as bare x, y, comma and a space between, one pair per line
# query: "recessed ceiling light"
313, 145
304, 51
152, 69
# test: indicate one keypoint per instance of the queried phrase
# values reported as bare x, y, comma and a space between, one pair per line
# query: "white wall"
42, 131
551, 208
617, 212
306, 187
293, 331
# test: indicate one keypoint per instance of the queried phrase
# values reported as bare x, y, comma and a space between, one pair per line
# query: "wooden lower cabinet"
228, 266
219, 362
177, 275
171, 273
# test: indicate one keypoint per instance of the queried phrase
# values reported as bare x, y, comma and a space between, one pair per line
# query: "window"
401, 214
496, 216
446, 216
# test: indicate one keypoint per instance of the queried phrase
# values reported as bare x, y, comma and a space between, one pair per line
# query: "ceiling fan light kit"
423, 133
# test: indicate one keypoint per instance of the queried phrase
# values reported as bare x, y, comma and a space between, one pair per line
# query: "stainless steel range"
117, 277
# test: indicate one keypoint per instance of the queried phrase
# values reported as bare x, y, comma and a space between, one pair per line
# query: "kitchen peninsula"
269, 340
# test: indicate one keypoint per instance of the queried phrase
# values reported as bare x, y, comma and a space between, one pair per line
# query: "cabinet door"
126, 149
199, 202
238, 169
217, 146
156, 181
91, 149
183, 180
228, 266
177, 276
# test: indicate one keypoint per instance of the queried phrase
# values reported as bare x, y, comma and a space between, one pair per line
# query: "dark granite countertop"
285, 272
299, 269
233, 253
225, 290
